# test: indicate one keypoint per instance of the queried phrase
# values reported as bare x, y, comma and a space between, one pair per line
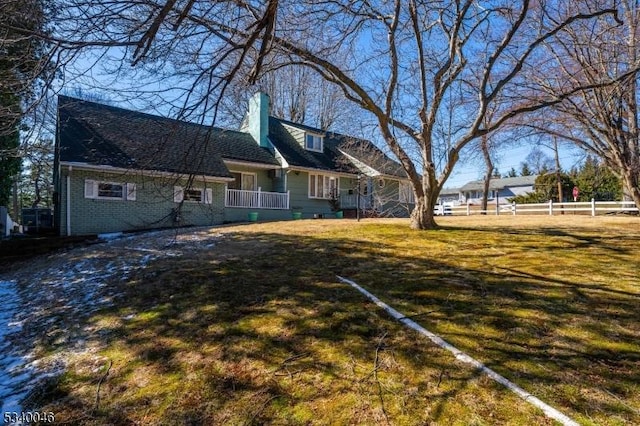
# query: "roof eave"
144, 172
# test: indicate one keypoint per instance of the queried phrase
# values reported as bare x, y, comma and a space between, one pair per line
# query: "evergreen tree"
9, 145
23, 65
593, 179
525, 170
596, 181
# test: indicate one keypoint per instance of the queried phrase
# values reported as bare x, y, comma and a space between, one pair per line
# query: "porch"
259, 199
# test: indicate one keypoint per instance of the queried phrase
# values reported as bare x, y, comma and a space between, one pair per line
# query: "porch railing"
257, 199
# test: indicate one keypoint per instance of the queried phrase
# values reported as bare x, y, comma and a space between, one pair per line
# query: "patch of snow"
39, 300
110, 236
14, 368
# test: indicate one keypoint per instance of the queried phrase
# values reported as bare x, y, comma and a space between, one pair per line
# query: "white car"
442, 210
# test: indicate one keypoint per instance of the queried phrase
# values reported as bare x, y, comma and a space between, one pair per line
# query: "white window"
323, 186
405, 192
244, 181
313, 142
109, 190
192, 195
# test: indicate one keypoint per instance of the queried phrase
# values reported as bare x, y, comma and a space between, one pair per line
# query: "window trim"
314, 135
193, 190
104, 197
315, 180
92, 190
206, 197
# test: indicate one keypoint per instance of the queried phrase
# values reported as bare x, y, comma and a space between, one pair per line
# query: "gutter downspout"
68, 208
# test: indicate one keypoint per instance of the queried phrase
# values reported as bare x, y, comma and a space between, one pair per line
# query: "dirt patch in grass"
257, 330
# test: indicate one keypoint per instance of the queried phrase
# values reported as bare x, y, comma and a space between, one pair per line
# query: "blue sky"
570, 156
92, 79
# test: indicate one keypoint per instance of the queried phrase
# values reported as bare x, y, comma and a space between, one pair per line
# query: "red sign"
576, 192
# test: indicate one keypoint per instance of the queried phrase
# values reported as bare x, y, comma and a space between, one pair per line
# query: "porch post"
259, 197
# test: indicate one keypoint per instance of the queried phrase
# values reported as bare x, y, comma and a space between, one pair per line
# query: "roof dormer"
313, 142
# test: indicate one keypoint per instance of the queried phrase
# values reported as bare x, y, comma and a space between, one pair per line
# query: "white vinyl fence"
592, 208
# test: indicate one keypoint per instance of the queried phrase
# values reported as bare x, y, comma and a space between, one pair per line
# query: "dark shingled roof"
500, 183
334, 145
104, 135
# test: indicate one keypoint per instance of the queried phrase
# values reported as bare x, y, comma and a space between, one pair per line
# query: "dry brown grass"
259, 331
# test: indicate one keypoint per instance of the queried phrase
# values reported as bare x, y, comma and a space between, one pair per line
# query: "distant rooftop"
500, 183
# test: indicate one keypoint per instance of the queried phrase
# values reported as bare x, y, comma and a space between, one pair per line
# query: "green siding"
233, 214
153, 208
297, 134
298, 184
262, 176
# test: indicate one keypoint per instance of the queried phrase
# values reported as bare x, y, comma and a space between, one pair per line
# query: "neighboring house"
501, 188
449, 196
119, 170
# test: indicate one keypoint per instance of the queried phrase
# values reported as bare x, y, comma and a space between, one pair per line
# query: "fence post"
468, 209
513, 208
259, 197
550, 207
288, 198
593, 207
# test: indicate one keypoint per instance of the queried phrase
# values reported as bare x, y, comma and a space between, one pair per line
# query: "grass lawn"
258, 330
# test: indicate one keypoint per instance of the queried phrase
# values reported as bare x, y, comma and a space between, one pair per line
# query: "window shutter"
131, 191
178, 194
208, 195
89, 189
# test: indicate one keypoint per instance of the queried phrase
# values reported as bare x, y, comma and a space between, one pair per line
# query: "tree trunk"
422, 214
558, 177
489, 173
36, 185
631, 182
16, 207
485, 195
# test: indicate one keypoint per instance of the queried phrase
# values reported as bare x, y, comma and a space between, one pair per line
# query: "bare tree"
402, 61
486, 154
603, 121
297, 94
538, 161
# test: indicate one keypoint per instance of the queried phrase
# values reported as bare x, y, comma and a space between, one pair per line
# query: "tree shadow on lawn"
578, 238
258, 330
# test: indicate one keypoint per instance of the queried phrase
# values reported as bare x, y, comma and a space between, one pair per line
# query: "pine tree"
525, 170
23, 65
596, 181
